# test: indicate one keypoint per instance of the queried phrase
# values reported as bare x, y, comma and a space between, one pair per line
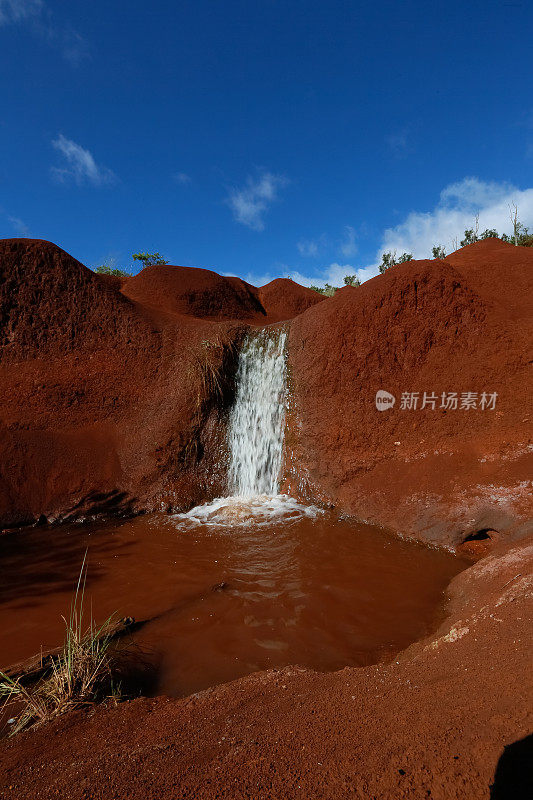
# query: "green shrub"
352, 280
149, 259
520, 235
327, 290
470, 237
389, 260
107, 269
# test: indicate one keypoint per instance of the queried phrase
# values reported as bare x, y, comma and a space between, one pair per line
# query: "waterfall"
255, 443
257, 419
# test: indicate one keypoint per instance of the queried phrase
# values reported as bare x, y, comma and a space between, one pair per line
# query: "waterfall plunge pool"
229, 598
247, 582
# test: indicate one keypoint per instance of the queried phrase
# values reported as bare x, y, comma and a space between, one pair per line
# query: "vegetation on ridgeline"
351, 280
438, 251
84, 671
328, 291
150, 259
146, 259
107, 269
520, 235
390, 259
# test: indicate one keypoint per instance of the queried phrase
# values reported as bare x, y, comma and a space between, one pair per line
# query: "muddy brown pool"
224, 602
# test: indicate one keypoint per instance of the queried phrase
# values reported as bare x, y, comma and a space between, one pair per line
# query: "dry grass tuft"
82, 673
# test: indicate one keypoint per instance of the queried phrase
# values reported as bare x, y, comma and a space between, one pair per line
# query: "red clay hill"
285, 299
194, 292
207, 295
442, 474
112, 390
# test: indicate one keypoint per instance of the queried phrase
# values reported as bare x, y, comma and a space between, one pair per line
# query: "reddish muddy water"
222, 601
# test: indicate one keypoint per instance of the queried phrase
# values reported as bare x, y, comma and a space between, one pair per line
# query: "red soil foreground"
446, 720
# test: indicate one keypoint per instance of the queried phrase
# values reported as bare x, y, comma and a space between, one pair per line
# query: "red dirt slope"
426, 326
447, 720
105, 407
113, 392
195, 292
500, 272
285, 299
51, 302
207, 295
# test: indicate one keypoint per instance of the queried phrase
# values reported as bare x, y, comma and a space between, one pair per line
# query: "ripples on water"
225, 600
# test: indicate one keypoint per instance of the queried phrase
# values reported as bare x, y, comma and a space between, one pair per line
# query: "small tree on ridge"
389, 260
150, 259
351, 280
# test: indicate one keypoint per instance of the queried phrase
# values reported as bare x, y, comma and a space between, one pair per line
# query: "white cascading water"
256, 431
257, 420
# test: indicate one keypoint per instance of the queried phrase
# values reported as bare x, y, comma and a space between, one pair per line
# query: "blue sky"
267, 138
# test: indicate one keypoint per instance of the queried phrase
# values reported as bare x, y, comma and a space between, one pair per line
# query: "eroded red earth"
113, 399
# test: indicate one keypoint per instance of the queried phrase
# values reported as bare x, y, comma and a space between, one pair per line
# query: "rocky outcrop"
106, 405
440, 474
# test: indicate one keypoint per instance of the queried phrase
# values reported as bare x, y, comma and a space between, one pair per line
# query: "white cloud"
79, 165
456, 210
348, 247
18, 10
20, 226
250, 204
72, 46
307, 248
311, 247
182, 177
333, 274
398, 143
444, 225
473, 193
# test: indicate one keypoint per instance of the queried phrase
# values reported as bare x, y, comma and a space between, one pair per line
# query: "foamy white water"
243, 511
257, 420
256, 432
